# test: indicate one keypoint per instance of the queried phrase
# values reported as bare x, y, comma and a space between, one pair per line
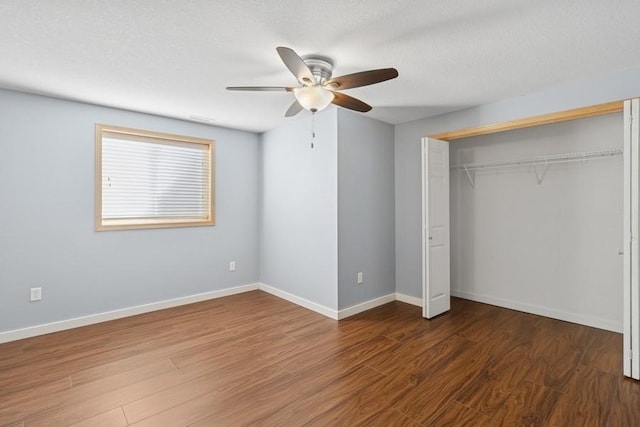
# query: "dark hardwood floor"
253, 359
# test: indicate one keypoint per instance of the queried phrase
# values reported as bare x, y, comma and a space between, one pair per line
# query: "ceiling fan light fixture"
313, 98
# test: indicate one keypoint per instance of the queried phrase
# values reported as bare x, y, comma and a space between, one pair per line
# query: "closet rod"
543, 160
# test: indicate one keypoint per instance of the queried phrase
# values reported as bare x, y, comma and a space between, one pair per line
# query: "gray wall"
407, 152
365, 208
299, 218
550, 248
47, 235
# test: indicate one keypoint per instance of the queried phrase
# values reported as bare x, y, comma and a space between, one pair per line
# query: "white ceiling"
175, 57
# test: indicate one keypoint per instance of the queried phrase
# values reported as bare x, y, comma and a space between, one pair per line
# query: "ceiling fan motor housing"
321, 67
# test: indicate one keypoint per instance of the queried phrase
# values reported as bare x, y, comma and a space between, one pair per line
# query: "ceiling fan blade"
362, 78
294, 109
350, 102
296, 65
261, 88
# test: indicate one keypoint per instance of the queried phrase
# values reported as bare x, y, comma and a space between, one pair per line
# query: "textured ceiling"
175, 58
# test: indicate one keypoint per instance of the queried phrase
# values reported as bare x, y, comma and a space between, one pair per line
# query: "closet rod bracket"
471, 181
540, 175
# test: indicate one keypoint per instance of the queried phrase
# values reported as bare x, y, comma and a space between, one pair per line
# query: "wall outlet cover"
35, 294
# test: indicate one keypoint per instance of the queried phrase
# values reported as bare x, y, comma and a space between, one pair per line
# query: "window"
152, 180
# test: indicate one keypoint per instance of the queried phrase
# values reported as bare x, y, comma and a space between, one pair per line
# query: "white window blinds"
151, 180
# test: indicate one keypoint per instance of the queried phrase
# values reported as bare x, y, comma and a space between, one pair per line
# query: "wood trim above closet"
544, 119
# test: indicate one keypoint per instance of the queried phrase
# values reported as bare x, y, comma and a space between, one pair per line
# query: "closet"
539, 221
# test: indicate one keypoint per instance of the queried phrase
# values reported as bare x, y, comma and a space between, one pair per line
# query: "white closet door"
435, 232
631, 250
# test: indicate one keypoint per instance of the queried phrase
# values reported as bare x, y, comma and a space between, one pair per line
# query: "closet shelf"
536, 162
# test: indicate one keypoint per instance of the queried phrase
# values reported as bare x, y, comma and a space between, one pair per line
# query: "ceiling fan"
318, 89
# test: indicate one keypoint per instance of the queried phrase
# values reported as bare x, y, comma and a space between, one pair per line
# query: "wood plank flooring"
254, 359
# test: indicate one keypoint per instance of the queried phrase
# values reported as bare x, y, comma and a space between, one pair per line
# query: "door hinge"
631, 354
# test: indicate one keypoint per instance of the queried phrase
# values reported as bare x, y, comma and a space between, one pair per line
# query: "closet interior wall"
549, 248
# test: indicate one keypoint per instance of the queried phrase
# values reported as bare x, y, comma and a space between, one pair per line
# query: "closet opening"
541, 215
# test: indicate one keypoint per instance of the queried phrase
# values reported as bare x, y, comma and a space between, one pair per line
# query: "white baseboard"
77, 322
409, 299
318, 308
326, 311
581, 319
364, 306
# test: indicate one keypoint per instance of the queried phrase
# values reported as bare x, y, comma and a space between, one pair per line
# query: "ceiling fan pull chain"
313, 127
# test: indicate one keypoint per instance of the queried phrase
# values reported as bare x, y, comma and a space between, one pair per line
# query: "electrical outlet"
232, 266
35, 294
360, 278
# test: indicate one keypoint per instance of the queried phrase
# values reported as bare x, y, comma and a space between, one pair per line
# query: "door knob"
620, 252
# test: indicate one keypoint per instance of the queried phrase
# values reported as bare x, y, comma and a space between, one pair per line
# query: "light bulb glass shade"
313, 98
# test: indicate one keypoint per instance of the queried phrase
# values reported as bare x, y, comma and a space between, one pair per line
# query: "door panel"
631, 250
627, 241
435, 214
635, 248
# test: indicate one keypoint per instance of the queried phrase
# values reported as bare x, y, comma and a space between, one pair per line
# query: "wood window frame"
150, 223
